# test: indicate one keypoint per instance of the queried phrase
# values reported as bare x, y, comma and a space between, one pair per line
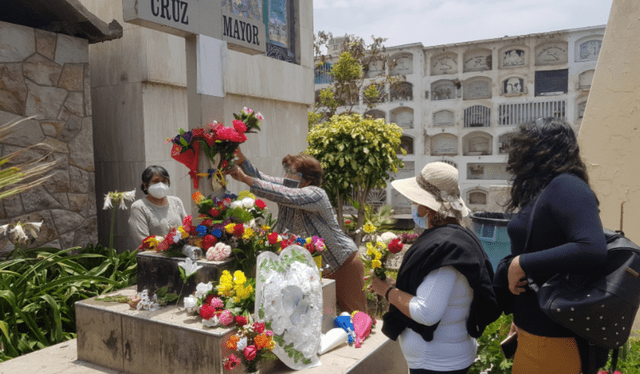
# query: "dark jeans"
425, 371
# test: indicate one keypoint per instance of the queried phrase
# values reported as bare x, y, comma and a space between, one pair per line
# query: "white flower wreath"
289, 294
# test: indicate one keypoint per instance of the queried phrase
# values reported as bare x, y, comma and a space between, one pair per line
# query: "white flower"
176, 238
123, 206
202, 289
259, 116
189, 267
4, 228
387, 237
131, 195
241, 344
248, 202
236, 204
190, 303
213, 322
107, 202
18, 233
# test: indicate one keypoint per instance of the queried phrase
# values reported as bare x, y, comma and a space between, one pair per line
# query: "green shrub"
490, 358
38, 289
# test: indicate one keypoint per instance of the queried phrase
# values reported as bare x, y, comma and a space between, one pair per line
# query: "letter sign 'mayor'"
198, 17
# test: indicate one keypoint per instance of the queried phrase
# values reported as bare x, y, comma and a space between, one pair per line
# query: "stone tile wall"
46, 75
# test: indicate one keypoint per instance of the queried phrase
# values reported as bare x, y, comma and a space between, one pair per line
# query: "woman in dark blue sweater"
566, 236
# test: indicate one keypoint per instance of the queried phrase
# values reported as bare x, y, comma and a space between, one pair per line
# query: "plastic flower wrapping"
379, 249
251, 343
215, 139
289, 297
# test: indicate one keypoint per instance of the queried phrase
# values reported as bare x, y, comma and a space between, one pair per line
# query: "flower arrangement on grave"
252, 343
215, 139
315, 245
173, 242
379, 249
231, 300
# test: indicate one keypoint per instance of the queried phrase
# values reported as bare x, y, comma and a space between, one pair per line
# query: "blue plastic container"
491, 229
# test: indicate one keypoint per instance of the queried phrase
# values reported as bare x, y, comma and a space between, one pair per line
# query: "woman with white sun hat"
443, 297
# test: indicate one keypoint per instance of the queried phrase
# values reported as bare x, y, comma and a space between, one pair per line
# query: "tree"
352, 75
356, 155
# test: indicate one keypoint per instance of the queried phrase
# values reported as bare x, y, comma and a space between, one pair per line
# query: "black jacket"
448, 245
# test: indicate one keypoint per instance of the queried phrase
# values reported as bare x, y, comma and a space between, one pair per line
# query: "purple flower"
188, 136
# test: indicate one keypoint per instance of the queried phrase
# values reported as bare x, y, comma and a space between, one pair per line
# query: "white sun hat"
436, 187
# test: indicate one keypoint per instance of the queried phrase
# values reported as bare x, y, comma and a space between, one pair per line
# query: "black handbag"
598, 307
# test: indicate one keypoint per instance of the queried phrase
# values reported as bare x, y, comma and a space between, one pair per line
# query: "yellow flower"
239, 277
198, 242
229, 228
369, 228
377, 255
376, 264
183, 232
153, 242
369, 249
381, 246
248, 233
244, 194
225, 289
272, 345
265, 228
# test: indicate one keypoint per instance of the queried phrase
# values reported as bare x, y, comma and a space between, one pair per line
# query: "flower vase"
318, 261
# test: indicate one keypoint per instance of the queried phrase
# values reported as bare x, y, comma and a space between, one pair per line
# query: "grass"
39, 287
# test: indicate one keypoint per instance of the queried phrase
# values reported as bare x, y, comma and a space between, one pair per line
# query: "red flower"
258, 327
198, 133
239, 126
273, 238
209, 241
208, 299
231, 362
310, 247
260, 204
238, 230
250, 352
207, 311
210, 139
395, 246
226, 201
225, 163
241, 320
207, 222
213, 212
285, 243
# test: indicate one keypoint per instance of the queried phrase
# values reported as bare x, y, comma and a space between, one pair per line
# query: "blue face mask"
420, 221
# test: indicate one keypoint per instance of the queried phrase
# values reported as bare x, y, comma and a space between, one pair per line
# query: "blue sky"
436, 22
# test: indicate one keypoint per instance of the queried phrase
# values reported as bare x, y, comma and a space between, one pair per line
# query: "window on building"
477, 116
279, 15
402, 92
517, 113
322, 75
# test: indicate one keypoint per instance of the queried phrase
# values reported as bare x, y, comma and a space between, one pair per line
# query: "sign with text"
241, 28
243, 33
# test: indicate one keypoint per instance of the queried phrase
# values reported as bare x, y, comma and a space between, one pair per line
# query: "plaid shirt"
305, 212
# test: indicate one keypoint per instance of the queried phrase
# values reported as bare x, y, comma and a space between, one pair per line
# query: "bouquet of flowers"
315, 246
379, 248
252, 342
216, 139
232, 300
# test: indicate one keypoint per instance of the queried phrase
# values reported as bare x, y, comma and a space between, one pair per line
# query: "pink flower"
231, 362
239, 126
226, 317
258, 327
259, 116
250, 352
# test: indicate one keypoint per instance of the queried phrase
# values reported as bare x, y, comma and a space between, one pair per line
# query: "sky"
437, 22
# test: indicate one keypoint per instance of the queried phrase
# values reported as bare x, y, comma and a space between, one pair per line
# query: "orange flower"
232, 342
262, 341
197, 197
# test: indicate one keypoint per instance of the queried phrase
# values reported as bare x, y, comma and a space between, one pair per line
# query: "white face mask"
158, 190
420, 221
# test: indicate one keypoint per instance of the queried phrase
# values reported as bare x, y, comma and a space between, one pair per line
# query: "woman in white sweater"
443, 297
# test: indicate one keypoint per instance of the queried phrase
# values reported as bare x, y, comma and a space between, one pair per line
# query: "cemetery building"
459, 102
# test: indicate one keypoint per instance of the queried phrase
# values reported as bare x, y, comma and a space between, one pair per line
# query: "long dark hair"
538, 152
150, 172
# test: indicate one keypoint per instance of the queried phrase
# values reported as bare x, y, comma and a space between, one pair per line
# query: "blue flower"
201, 230
216, 232
301, 241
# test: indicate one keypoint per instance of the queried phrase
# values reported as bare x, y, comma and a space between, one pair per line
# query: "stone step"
377, 355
